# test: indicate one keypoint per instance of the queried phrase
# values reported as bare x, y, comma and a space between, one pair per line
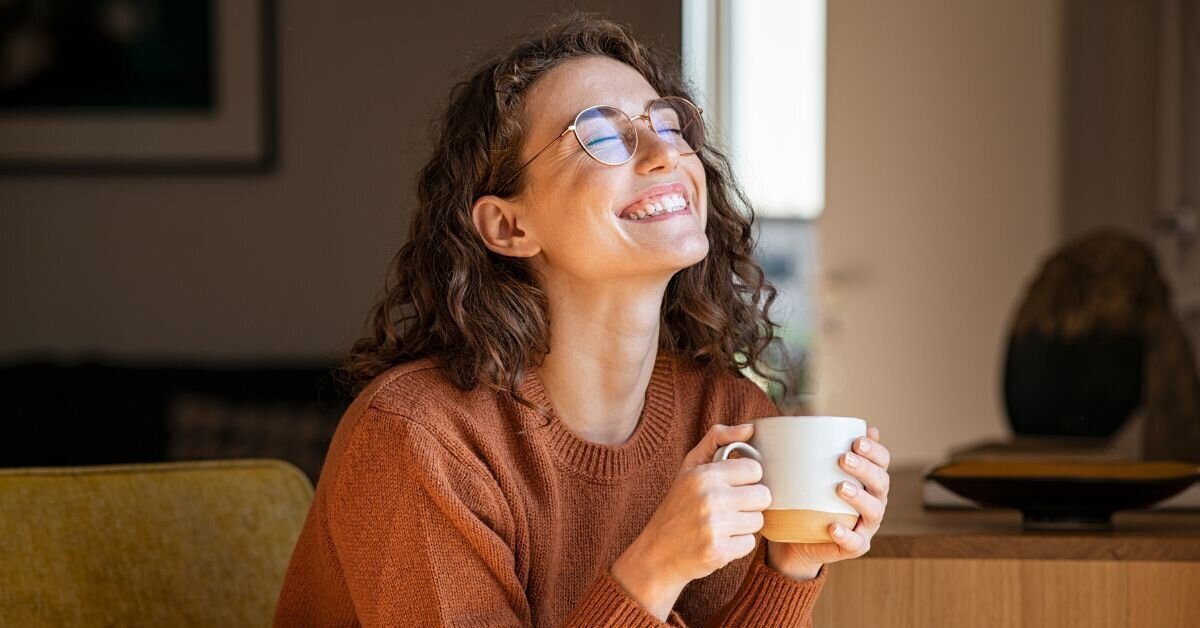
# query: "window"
759, 67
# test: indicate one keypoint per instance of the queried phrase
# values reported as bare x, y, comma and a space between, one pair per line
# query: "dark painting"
106, 55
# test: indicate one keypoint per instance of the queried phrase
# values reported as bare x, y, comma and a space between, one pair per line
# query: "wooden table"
960, 569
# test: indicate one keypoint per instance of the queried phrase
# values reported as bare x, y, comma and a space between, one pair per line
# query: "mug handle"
723, 452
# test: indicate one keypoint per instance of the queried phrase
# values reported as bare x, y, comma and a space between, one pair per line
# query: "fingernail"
851, 460
849, 490
864, 445
838, 531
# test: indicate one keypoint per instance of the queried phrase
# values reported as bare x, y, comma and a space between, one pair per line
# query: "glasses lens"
607, 134
678, 121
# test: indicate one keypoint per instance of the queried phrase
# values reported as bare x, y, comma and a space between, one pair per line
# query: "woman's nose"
655, 152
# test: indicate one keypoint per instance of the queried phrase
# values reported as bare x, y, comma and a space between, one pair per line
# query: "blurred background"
199, 200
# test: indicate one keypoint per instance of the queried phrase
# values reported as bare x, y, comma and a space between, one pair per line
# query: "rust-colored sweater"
443, 507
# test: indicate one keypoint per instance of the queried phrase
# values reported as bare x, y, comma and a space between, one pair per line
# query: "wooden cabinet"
960, 569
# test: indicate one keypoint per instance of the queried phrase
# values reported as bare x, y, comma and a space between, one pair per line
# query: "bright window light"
760, 65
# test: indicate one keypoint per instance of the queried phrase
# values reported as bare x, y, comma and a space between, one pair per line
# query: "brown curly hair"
483, 315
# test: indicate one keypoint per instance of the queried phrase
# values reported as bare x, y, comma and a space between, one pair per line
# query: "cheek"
696, 172
703, 208
578, 230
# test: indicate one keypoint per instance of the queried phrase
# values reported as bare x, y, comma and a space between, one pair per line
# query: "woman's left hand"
802, 561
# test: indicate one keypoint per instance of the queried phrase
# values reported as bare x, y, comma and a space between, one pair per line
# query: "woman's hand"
707, 520
802, 561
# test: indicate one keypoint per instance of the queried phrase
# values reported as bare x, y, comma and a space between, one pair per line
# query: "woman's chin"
687, 255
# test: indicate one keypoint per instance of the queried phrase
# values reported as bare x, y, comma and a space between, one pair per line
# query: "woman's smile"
658, 203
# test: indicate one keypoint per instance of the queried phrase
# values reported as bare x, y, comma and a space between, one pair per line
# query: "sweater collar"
599, 461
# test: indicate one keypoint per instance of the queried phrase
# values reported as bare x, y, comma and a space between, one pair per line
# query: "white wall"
943, 194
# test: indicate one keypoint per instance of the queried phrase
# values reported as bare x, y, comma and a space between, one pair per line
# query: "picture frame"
216, 114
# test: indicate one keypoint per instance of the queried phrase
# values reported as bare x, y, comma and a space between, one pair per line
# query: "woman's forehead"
581, 83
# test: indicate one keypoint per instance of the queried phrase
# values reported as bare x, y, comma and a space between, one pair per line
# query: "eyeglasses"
608, 134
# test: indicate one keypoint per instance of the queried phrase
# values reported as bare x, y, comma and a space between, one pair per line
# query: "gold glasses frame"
632, 121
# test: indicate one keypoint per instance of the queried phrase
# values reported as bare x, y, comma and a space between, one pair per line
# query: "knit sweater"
438, 506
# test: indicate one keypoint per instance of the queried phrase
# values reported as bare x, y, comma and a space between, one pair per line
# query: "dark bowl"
1054, 495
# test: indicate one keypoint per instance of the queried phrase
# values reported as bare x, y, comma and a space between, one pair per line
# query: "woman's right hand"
707, 520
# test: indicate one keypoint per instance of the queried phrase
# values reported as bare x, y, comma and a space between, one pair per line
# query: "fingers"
722, 435
743, 544
869, 466
737, 471
874, 478
851, 543
755, 497
872, 450
745, 523
869, 507
717, 436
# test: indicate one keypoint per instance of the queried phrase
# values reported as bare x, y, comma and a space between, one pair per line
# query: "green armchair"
172, 544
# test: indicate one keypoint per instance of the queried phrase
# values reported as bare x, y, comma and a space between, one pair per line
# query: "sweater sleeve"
769, 598
424, 537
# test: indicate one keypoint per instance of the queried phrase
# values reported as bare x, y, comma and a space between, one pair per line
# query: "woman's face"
580, 212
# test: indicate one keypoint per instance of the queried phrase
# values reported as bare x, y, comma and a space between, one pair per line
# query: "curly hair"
483, 315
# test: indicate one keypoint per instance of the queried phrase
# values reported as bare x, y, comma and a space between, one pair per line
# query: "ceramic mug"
799, 457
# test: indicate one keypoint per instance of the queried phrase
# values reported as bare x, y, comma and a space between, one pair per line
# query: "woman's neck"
603, 346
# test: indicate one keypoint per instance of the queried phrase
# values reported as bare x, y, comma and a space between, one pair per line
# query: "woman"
551, 370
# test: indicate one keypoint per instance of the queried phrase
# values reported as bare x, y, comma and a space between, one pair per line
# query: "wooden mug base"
803, 526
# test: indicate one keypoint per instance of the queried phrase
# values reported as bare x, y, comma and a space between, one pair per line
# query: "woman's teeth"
662, 204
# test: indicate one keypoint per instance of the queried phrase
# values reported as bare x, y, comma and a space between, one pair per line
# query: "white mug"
799, 457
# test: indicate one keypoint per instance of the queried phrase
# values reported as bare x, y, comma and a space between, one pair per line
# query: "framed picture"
137, 86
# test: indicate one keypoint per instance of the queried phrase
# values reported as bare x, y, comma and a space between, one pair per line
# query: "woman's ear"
500, 224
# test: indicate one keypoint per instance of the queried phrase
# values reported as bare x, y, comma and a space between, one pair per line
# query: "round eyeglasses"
608, 134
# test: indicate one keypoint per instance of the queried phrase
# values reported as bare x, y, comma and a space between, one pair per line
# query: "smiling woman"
555, 362
479, 297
